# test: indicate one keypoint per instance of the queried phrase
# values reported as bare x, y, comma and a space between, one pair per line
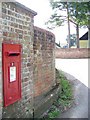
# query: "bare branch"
72, 21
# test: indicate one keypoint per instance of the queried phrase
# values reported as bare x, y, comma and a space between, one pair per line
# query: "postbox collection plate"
11, 65
12, 74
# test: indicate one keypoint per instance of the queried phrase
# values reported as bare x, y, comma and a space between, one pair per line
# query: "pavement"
81, 107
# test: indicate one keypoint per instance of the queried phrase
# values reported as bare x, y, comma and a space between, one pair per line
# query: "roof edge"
84, 37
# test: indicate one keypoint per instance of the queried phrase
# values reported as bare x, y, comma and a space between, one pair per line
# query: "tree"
77, 32
78, 11
58, 18
72, 39
68, 25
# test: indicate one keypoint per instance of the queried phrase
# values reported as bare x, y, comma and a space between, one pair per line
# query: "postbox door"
11, 73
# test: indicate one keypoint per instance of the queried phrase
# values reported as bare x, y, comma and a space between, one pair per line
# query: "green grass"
54, 112
65, 98
66, 92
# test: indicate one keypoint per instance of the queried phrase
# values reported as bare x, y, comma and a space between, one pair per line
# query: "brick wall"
44, 69
37, 67
72, 53
44, 74
17, 27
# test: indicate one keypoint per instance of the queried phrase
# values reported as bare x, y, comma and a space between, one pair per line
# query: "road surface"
78, 74
75, 67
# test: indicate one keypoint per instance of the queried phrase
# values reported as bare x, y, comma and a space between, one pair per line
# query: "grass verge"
65, 99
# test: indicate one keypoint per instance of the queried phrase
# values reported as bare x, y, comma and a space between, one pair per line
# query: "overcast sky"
43, 9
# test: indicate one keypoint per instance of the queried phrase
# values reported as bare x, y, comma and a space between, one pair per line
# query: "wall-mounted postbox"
11, 65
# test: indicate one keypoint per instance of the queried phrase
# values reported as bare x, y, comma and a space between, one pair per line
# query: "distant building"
83, 41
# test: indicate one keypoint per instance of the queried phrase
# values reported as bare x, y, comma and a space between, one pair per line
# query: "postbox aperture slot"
13, 53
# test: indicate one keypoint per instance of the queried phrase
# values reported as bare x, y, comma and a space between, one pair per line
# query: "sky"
44, 11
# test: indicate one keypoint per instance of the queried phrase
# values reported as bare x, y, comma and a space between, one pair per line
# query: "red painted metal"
11, 65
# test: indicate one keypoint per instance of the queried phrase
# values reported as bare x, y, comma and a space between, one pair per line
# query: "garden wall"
44, 60
44, 69
72, 53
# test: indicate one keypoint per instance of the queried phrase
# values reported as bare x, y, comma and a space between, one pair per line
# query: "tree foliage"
73, 39
78, 11
58, 18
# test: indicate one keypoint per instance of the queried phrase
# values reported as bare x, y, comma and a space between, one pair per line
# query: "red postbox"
11, 65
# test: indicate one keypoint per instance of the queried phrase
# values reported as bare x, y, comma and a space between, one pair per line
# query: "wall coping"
21, 5
71, 53
43, 30
71, 49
